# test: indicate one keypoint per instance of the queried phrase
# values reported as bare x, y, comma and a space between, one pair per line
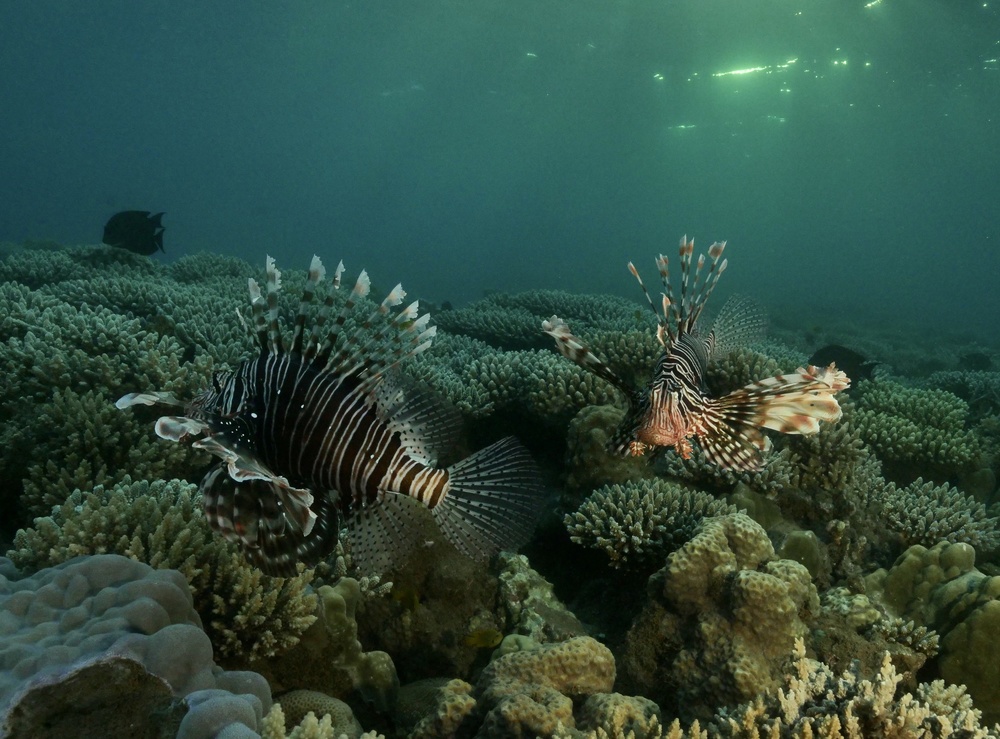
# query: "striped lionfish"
326, 429
676, 407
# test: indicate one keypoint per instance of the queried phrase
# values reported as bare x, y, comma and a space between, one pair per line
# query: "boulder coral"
721, 621
940, 588
79, 637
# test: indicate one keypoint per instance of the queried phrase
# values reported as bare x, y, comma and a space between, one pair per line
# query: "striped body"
325, 432
321, 430
675, 408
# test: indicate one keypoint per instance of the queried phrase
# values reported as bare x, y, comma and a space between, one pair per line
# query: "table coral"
641, 522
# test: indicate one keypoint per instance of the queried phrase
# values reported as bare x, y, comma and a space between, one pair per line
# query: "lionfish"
326, 431
676, 407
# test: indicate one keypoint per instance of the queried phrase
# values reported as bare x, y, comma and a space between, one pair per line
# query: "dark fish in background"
135, 230
675, 408
324, 429
854, 364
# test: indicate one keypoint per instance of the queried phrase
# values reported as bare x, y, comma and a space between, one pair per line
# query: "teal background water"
849, 151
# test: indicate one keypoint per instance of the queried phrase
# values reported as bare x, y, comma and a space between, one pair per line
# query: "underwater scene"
598, 370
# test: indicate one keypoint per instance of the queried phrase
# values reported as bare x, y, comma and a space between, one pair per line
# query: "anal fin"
383, 534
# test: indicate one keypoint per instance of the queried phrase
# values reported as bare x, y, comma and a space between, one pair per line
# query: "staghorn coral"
641, 522
161, 523
922, 430
815, 702
925, 513
721, 621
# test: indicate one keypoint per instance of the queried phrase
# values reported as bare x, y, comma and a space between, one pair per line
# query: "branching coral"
641, 522
161, 523
922, 429
925, 513
78, 440
817, 703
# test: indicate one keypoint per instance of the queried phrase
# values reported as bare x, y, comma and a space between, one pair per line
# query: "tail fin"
493, 500
791, 404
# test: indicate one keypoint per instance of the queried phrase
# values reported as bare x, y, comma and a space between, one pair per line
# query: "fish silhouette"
135, 230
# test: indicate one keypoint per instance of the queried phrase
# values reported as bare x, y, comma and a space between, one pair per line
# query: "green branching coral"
161, 523
512, 321
641, 522
920, 428
740, 368
925, 513
980, 389
480, 380
37, 267
79, 440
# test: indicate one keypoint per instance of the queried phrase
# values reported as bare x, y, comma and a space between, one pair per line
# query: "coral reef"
641, 522
720, 636
529, 692
297, 704
921, 431
330, 659
81, 635
925, 513
246, 613
533, 610
589, 464
941, 589
814, 702
721, 621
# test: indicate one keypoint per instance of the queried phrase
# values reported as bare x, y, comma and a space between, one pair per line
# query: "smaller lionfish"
326, 429
675, 407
